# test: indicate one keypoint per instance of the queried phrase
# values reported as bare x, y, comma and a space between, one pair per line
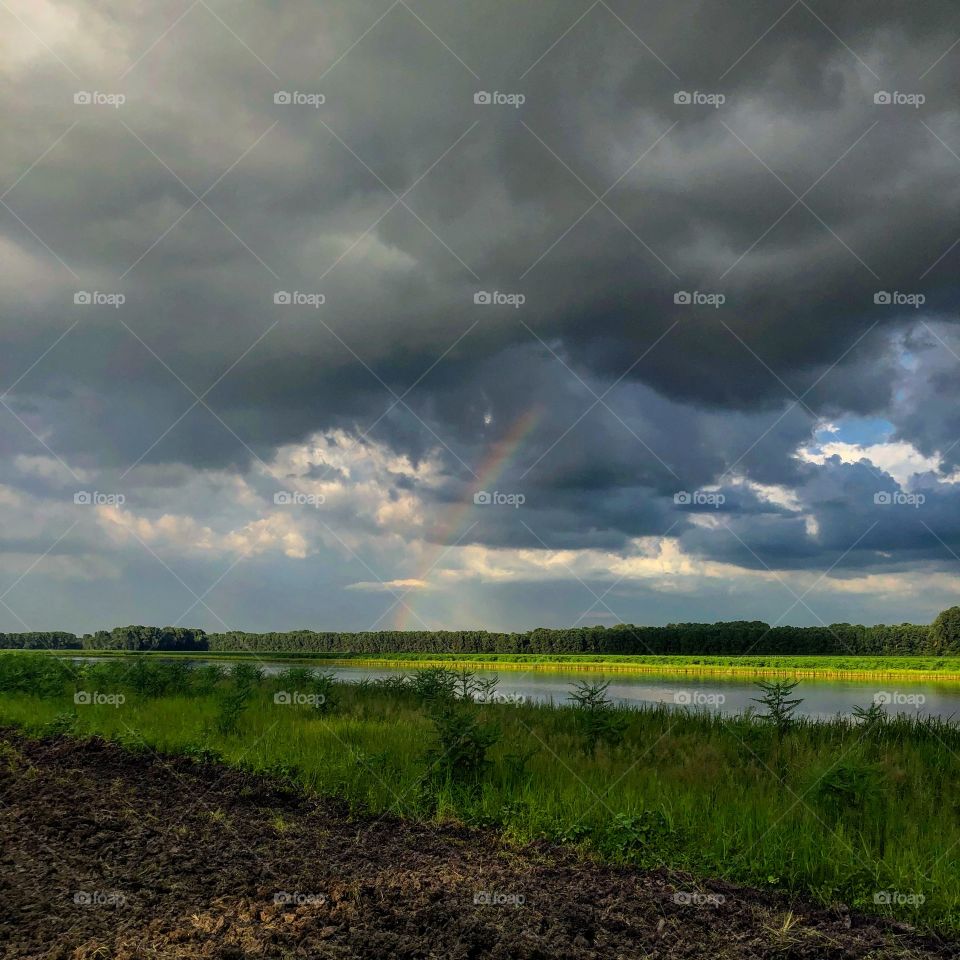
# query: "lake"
822, 699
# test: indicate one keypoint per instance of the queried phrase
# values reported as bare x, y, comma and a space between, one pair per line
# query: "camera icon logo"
282, 697
882, 297
682, 498
882, 697
482, 297
683, 698
881, 96
481, 497
682, 297
681, 96
281, 96
482, 97
82, 697
82, 497
283, 498
883, 498
83, 297
282, 297
83, 97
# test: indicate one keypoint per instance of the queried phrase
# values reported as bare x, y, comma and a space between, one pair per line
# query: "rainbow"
498, 460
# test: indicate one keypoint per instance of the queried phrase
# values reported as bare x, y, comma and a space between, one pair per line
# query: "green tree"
945, 632
780, 706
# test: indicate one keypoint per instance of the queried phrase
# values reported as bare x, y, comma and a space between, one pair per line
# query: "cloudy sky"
376, 314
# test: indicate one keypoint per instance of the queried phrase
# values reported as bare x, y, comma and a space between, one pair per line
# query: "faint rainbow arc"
498, 460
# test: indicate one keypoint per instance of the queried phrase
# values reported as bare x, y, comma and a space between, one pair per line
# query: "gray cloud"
599, 200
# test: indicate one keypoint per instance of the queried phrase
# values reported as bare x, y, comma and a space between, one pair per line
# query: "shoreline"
778, 666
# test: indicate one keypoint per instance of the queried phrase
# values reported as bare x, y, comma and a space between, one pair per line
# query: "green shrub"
780, 707
597, 717
460, 754
207, 678
434, 685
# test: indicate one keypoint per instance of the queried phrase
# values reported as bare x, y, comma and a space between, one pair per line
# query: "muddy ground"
107, 854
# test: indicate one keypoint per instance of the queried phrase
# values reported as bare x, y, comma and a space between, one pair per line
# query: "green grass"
940, 668
837, 811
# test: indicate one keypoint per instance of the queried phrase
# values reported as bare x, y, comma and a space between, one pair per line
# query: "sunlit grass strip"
810, 667
663, 666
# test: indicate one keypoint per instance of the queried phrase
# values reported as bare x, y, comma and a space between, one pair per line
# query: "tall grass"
857, 811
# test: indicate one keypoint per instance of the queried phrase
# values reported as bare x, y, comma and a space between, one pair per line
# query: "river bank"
945, 669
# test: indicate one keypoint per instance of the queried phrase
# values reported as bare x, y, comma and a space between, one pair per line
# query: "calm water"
821, 698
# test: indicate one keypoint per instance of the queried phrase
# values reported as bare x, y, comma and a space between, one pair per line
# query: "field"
130, 854
861, 813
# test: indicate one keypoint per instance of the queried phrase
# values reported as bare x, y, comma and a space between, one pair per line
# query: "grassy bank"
862, 813
811, 667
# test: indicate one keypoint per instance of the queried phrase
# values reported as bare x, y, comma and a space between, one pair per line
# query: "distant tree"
945, 632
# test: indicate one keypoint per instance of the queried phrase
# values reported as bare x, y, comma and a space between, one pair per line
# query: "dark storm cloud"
599, 200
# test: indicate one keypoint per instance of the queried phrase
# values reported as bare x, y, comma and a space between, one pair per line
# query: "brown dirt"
184, 860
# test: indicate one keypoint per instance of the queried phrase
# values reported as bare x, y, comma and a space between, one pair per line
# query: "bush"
596, 715
460, 755
644, 837
34, 673
234, 699
207, 678
434, 685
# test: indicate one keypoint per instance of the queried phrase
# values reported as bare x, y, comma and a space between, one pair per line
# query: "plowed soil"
109, 854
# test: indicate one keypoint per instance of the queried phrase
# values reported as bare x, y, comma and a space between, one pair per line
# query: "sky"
404, 314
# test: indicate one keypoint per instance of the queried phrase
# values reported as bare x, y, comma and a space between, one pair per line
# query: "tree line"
725, 638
